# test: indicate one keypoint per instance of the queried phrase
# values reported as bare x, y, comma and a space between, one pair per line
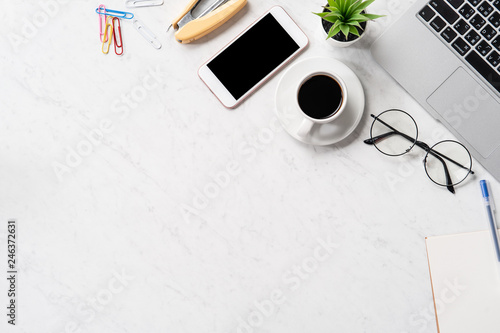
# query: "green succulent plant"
346, 16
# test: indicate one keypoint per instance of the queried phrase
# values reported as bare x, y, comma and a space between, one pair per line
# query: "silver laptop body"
437, 72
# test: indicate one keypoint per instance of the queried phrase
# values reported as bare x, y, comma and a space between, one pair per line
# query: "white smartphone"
253, 57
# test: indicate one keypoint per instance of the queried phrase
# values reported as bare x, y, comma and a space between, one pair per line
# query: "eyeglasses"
394, 133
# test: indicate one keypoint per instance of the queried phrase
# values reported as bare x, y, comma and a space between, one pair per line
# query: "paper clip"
102, 21
117, 36
108, 31
115, 13
143, 3
147, 34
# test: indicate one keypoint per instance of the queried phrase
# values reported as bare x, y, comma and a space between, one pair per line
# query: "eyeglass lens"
454, 156
394, 132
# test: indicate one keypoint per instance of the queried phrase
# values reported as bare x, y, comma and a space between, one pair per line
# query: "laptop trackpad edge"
470, 110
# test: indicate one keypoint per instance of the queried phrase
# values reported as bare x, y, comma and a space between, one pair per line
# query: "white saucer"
291, 117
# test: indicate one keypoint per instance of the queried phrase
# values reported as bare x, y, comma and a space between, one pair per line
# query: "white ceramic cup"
308, 122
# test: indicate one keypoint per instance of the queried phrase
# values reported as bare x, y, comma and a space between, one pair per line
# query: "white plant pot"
337, 43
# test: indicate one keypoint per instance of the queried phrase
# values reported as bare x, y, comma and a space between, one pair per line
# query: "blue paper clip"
115, 13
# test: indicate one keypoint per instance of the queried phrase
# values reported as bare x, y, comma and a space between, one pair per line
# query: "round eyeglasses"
394, 133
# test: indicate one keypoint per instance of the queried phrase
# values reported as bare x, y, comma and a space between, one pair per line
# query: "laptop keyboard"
471, 29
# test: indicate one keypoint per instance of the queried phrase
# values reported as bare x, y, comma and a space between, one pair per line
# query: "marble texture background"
103, 159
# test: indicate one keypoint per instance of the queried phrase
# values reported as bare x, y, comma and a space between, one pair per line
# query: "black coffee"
320, 96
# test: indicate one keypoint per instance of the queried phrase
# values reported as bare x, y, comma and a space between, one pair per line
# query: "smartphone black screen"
252, 56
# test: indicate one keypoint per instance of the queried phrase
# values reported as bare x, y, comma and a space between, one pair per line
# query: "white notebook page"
465, 280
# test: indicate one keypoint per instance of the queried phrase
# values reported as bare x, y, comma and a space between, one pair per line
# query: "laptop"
446, 54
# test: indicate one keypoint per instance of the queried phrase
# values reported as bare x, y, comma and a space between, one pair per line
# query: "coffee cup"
321, 98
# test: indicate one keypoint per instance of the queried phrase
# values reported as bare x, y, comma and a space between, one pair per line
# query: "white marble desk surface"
296, 239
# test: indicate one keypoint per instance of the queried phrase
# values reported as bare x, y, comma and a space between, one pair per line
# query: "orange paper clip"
117, 35
108, 33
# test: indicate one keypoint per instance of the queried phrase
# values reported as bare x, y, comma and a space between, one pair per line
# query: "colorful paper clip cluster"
112, 31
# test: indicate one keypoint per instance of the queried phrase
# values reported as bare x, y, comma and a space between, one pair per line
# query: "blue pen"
489, 210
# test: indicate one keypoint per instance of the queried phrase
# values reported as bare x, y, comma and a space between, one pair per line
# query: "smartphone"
253, 57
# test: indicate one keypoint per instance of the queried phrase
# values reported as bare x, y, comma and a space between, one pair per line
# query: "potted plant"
344, 21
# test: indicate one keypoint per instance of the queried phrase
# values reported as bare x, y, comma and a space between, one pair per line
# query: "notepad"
465, 279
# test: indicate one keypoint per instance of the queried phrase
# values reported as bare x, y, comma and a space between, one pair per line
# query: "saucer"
291, 117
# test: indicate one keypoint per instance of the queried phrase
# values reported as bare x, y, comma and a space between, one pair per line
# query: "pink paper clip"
102, 23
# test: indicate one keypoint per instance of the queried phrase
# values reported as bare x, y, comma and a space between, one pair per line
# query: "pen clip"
487, 194
117, 35
492, 203
108, 31
147, 34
